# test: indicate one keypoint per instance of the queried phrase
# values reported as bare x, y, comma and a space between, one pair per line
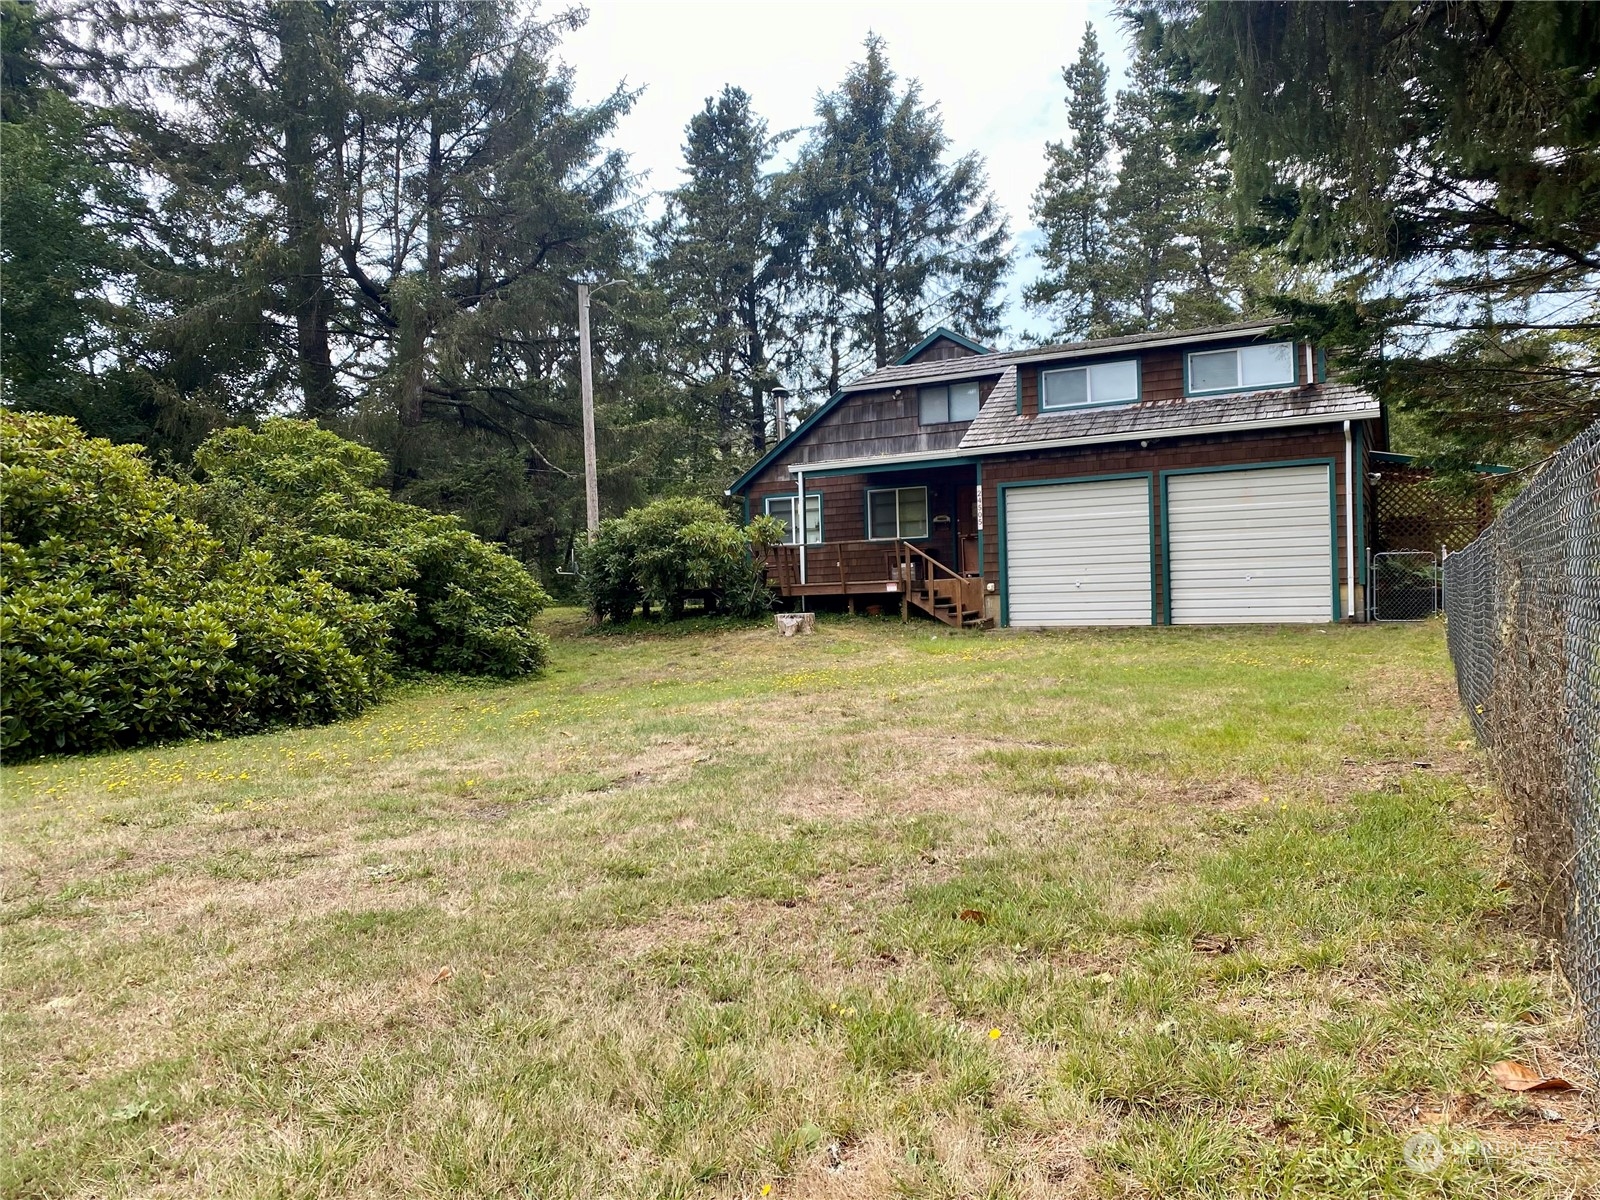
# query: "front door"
966, 523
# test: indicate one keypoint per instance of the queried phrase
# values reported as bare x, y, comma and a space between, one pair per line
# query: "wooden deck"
851, 569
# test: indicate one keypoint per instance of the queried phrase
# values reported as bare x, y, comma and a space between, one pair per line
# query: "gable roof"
998, 427
949, 335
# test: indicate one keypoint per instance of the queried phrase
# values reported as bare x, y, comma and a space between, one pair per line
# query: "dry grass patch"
878, 912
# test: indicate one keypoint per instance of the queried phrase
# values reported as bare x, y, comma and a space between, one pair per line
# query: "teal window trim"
1000, 517
927, 508
1294, 361
1166, 523
1138, 386
792, 497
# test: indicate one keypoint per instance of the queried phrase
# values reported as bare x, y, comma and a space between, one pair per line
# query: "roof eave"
771, 456
1366, 412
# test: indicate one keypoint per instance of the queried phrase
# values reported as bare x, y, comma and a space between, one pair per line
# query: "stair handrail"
933, 562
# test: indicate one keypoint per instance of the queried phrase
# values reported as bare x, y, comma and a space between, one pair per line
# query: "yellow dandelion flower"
994, 1035
766, 1189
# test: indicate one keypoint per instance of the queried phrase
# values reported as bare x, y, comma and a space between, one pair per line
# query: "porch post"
800, 523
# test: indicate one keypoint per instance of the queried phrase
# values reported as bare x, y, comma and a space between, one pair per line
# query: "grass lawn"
885, 911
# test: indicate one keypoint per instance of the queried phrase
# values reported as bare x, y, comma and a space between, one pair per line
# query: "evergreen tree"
722, 261
899, 238
1070, 204
1173, 259
58, 258
1439, 163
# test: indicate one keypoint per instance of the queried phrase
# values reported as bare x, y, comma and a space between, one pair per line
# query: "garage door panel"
1079, 553
1250, 546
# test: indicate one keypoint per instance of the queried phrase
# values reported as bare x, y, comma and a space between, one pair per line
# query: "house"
1205, 477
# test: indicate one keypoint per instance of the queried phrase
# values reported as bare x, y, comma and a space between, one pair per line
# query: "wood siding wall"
942, 349
844, 517
870, 423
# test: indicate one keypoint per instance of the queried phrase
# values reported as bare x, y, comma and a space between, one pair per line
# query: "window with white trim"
1242, 368
947, 402
782, 507
1097, 383
897, 513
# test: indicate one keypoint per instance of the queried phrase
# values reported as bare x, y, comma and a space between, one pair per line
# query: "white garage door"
1078, 553
1250, 546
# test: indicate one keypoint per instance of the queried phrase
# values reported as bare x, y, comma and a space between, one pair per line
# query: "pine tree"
900, 239
1172, 257
1070, 204
720, 259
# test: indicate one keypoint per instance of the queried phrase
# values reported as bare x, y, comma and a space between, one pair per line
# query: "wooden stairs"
942, 593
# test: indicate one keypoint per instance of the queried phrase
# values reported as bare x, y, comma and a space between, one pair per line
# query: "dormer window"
1241, 368
946, 403
1090, 386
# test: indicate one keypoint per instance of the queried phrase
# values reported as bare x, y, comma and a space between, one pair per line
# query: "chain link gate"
1523, 604
1405, 585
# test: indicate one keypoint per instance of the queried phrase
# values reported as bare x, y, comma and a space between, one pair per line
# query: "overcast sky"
994, 69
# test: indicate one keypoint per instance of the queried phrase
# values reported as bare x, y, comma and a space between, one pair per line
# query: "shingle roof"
979, 365
1001, 425
973, 366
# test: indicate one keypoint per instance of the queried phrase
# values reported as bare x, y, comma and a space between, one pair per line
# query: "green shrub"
282, 588
123, 620
663, 553
607, 579
310, 499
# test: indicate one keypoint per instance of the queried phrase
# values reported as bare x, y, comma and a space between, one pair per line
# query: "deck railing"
855, 568
833, 564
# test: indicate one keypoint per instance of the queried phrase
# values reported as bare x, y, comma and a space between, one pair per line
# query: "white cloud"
993, 68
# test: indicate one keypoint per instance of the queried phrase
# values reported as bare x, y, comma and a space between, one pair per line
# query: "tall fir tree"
56, 257
372, 214
1173, 258
1437, 163
722, 260
1069, 206
900, 238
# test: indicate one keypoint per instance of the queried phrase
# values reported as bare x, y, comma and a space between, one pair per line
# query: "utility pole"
591, 482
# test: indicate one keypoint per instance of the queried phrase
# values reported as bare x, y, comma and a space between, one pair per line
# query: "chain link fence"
1405, 585
1523, 605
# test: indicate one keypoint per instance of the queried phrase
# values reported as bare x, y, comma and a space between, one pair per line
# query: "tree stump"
790, 624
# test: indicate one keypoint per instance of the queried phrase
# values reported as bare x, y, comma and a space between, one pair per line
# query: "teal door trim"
1000, 505
1166, 520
